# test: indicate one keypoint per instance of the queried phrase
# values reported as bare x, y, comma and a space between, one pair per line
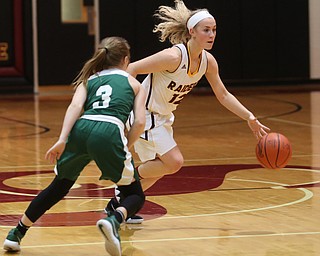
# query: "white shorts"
157, 141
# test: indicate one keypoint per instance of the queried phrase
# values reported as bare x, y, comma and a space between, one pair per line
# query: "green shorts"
102, 142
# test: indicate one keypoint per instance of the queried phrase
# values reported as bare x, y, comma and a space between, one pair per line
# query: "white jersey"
165, 90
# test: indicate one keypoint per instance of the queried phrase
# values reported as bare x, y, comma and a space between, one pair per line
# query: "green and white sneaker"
12, 242
109, 229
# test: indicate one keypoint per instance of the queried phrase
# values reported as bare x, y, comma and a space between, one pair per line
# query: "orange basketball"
273, 151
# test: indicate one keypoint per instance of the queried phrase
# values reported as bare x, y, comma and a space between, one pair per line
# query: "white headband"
196, 18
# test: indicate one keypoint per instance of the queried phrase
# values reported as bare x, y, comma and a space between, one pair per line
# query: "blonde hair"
174, 22
111, 52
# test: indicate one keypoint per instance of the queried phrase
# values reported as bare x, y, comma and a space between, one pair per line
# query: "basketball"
273, 151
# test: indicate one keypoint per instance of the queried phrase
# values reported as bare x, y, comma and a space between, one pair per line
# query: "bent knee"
174, 166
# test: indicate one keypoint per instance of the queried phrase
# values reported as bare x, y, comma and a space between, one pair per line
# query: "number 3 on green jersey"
105, 92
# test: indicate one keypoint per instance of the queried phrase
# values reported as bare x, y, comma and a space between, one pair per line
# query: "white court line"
186, 160
99, 198
304, 170
66, 197
307, 195
35, 166
26, 166
243, 158
180, 239
293, 122
223, 237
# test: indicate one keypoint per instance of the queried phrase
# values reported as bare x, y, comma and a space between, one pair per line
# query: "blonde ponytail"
174, 23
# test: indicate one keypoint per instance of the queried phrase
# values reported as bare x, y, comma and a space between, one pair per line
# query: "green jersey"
109, 94
99, 134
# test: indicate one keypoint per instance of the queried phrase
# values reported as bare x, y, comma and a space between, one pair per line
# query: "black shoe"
135, 219
113, 204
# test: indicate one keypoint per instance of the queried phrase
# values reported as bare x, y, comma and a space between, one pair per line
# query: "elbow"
140, 124
222, 98
131, 70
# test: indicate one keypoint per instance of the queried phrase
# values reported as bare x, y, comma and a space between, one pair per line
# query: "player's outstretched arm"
230, 102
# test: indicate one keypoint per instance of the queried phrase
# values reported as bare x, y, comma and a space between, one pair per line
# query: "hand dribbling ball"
273, 151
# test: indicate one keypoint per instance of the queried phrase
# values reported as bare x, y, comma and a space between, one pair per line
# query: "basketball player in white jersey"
172, 74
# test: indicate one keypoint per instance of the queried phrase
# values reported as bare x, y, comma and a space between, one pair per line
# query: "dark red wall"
15, 46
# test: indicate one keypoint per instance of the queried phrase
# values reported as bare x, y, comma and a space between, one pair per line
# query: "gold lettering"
4, 51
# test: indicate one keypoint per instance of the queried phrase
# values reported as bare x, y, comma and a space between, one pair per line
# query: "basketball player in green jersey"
172, 74
93, 130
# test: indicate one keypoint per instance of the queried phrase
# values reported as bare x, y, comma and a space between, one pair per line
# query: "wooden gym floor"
220, 203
